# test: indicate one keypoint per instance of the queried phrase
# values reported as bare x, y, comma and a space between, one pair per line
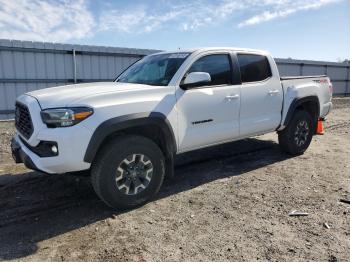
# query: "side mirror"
195, 79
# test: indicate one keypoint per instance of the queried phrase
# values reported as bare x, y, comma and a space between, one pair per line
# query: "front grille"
23, 121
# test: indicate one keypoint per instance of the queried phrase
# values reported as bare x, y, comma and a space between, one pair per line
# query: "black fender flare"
120, 123
297, 102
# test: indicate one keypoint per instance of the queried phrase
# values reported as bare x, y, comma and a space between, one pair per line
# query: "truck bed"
303, 86
301, 77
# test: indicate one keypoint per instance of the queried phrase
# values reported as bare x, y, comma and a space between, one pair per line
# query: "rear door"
261, 95
209, 114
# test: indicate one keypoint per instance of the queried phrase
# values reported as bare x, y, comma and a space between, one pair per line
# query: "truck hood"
69, 95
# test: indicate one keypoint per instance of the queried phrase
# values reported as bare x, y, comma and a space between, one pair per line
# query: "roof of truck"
203, 49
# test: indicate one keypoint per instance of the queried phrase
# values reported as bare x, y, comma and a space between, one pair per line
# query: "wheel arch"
310, 104
153, 125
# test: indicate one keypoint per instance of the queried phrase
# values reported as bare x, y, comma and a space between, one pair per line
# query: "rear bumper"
326, 109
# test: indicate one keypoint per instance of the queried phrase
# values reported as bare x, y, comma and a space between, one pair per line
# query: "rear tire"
128, 172
297, 135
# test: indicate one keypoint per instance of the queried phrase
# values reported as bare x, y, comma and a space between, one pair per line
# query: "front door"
209, 114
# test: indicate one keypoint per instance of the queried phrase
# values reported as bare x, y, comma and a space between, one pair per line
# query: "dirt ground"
227, 203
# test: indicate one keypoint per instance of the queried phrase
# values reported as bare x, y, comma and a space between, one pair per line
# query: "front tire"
128, 172
297, 136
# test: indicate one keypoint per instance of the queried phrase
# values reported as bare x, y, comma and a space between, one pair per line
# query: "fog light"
43, 149
54, 149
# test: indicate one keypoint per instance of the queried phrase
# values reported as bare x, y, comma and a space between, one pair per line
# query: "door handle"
273, 92
230, 97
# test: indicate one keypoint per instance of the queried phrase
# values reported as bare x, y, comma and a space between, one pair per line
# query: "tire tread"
285, 136
97, 174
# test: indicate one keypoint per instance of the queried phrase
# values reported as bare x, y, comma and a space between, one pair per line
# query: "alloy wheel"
301, 133
134, 174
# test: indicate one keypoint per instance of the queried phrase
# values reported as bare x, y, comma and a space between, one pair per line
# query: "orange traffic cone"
320, 129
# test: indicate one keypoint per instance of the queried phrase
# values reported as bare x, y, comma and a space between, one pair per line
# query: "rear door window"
254, 67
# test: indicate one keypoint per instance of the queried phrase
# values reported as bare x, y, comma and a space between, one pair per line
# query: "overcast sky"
304, 29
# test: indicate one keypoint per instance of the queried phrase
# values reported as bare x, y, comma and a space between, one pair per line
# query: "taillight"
330, 86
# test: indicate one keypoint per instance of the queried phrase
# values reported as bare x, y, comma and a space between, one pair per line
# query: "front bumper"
20, 156
70, 158
71, 144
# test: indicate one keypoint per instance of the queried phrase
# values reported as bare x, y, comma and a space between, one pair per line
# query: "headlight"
64, 117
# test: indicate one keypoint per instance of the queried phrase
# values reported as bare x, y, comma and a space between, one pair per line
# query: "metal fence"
27, 66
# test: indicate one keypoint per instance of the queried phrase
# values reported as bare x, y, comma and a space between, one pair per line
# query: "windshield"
153, 70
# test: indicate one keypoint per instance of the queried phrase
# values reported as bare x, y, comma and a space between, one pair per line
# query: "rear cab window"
217, 65
254, 67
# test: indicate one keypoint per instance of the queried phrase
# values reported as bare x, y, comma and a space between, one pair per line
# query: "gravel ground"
227, 203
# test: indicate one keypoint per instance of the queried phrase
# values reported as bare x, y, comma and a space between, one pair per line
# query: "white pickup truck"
127, 132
